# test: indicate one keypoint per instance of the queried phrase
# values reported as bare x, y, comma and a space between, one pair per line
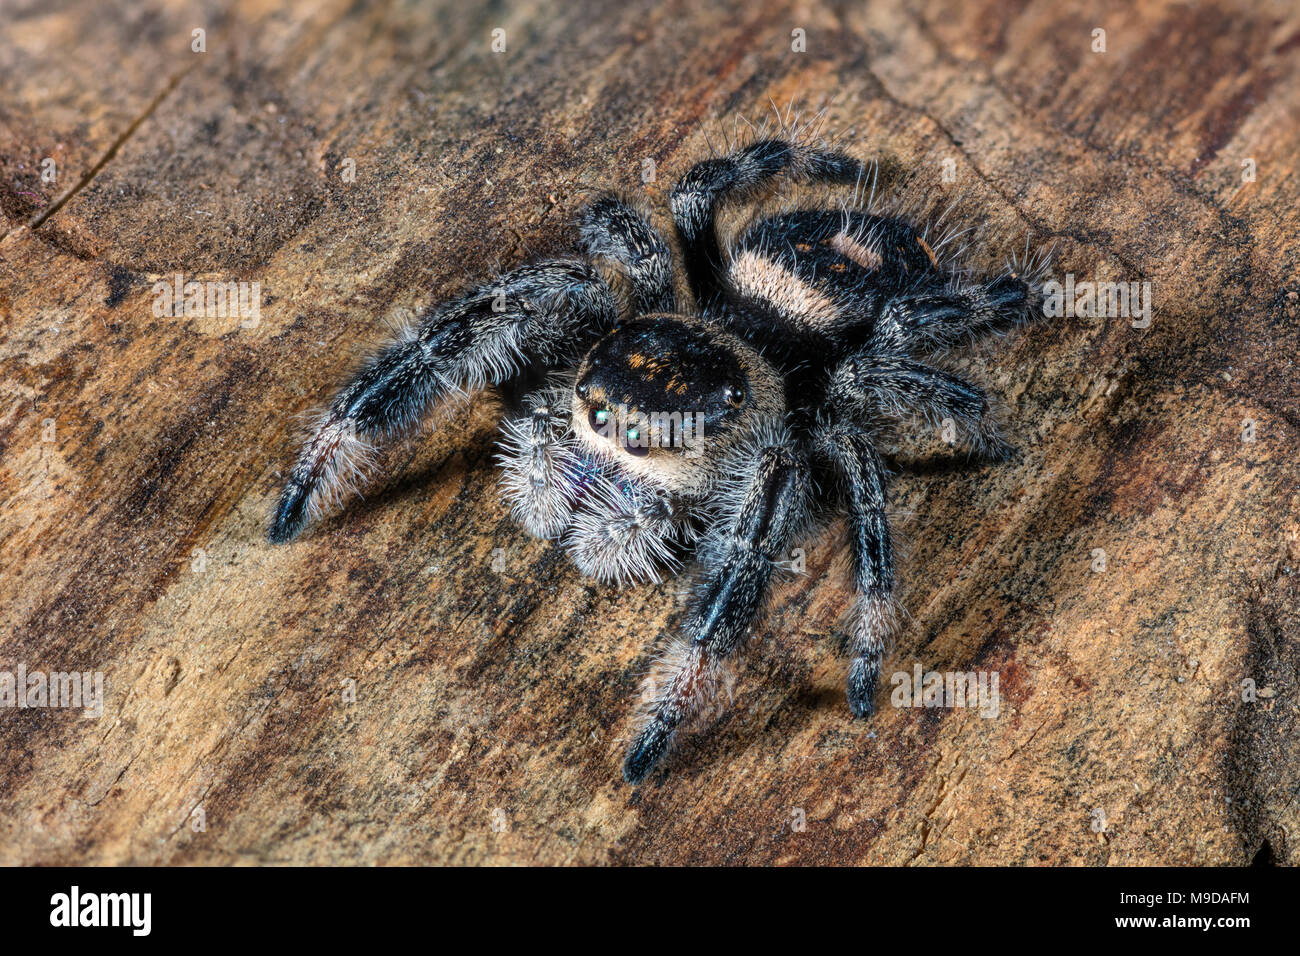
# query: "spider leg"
737, 564
541, 470
939, 318
613, 229
622, 536
617, 532
697, 195
900, 387
536, 313
854, 459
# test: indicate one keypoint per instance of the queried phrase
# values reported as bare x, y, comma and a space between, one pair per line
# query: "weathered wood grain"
491, 704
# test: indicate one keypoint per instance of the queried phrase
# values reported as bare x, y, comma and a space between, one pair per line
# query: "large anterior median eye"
598, 419
636, 443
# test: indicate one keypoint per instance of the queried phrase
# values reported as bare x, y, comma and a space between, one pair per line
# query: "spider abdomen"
822, 276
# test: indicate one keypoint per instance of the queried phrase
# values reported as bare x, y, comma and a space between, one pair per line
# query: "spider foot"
997, 449
864, 674
649, 746
875, 618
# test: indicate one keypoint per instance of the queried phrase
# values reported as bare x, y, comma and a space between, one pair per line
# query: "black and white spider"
643, 432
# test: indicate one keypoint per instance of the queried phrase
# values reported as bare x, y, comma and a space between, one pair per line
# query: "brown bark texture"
415, 680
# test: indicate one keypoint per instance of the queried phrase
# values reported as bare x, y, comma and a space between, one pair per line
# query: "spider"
641, 433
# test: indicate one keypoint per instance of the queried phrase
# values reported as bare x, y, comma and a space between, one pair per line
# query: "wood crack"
112, 151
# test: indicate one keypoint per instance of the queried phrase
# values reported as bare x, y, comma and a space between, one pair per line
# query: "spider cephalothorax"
670, 393
644, 436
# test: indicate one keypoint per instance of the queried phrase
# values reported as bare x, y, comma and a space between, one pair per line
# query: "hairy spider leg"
612, 228
737, 564
539, 312
861, 473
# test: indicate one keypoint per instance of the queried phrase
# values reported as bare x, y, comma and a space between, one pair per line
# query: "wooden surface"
494, 685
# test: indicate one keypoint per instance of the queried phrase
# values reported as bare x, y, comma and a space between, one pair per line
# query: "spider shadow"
710, 744
461, 462
945, 465
726, 741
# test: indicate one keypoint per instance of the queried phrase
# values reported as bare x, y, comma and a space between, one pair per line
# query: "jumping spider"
808, 335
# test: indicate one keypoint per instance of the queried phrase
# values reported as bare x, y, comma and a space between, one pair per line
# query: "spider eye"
633, 444
735, 395
582, 391
597, 418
